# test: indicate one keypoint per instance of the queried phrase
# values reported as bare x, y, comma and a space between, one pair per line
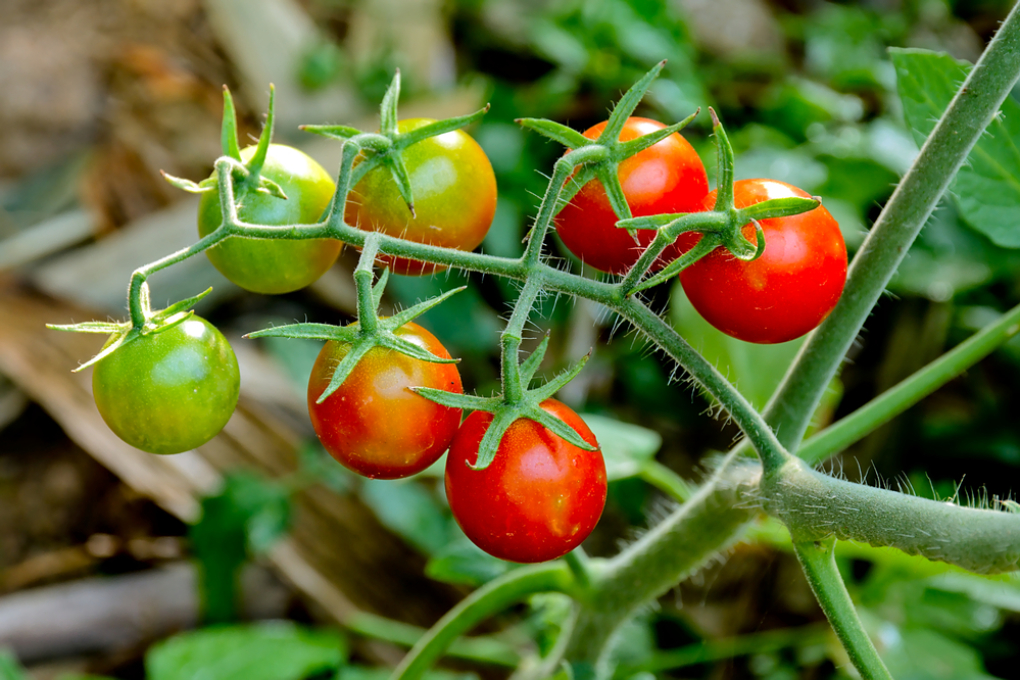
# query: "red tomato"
373, 424
539, 498
454, 190
787, 291
667, 177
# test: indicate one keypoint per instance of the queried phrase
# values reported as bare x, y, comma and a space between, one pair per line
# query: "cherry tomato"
270, 266
170, 391
787, 291
667, 177
373, 424
540, 497
454, 191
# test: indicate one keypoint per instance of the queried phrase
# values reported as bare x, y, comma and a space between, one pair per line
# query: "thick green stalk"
946, 149
486, 650
898, 399
510, 341
669, 552
819, 563
815, 506
490, 599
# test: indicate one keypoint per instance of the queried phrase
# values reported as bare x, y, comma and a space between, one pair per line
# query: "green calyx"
369, 330
505, 412
600, 159
247, 176
722, 226
123, 333
386, 146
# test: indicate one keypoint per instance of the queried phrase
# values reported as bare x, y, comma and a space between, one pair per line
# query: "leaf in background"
462, 562
247, 515
626, 447
924, 654
265, 651
987, 188
10, 669
410, 511
755, 369
365, 673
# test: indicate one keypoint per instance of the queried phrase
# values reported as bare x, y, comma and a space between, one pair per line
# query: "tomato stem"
819, 563
363, 275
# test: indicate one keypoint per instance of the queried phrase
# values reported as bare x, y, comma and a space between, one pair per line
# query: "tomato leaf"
987, 187
625, 447
265, 651
410, 511
462, 562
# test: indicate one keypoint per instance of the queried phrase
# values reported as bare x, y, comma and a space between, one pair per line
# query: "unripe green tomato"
171, 391
275, 266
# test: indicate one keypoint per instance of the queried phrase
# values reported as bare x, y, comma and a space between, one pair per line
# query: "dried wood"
101, 615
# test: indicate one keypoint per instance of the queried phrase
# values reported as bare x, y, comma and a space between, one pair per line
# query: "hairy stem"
946, 149
491, 598
819, 563
815, 506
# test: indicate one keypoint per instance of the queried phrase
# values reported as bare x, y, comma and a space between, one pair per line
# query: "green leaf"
462, 562
266, 651
625, 447
10, 669
365, 673
410, 511
987, 188
246, 517
923, 654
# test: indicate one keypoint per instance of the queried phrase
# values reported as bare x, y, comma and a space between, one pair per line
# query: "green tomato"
275, 266
170, 391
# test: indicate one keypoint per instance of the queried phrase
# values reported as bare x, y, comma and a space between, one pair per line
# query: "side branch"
819, 562
815, 507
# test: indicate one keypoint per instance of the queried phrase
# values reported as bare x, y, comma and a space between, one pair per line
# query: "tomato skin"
787, 291
454, 191
540, 497
268, 266
170, 391
667, 177
373, 424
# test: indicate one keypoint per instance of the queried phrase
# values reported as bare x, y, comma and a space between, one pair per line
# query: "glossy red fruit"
373, 424
787, 291
540, 497
667, 177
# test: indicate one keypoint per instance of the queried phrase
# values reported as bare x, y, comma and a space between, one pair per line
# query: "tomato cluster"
541, 495
780, 296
